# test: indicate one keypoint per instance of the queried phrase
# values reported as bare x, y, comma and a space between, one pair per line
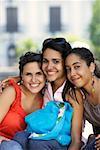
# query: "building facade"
39, 19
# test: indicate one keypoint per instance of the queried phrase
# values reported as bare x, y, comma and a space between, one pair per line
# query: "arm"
6, 99
4, 83
76, 131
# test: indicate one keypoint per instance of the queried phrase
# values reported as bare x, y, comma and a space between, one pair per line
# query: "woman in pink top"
53, 65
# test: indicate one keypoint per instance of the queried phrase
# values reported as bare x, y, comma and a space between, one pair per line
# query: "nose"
34, 78
50, 65
72, 72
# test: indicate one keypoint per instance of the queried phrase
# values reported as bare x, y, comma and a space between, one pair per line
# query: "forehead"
73, 58
31, 66
51, 53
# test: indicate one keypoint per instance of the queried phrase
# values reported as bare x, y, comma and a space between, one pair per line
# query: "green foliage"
26, 45
97, 52
95, 28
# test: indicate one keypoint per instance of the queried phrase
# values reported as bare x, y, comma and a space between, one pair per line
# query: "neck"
57, 84
30, 94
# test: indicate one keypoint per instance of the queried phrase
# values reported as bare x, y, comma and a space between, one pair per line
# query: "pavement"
87, 131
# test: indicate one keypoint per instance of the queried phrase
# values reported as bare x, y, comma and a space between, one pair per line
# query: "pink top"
49, 96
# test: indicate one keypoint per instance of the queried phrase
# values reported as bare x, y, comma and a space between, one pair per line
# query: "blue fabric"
47, 122
45, 145
10, 145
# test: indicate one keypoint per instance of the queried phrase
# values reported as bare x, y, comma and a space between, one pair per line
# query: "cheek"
82, 73
42, 79
68, 76
43, 67
25, 80
60, 67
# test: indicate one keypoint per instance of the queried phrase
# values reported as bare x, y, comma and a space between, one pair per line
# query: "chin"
35, 92
78, 86
50, 79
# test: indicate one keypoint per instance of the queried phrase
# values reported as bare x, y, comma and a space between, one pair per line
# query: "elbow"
75, 145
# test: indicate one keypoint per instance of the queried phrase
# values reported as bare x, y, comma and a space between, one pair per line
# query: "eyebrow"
58, 59
74, 64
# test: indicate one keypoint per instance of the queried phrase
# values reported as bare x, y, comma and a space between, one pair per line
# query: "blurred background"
24, 24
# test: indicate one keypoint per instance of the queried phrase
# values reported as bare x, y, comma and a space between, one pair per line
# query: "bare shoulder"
8, 94
79, 95
75, 97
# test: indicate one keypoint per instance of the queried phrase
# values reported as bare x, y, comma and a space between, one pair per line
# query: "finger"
1, 87
98, 143
5, 83
98, 136
71, 100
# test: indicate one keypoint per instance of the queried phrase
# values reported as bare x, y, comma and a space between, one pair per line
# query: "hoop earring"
93, 89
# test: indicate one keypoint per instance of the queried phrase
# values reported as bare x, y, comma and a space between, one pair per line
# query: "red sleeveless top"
14, 120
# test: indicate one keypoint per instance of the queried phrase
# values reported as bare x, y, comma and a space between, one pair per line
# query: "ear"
92, 67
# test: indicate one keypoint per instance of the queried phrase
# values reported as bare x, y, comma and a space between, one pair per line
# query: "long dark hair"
88, 57
57, 44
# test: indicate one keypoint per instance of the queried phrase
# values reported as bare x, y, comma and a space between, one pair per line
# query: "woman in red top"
16, 101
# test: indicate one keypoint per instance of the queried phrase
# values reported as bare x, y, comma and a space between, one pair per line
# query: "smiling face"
33, 77
78, 72
53, 66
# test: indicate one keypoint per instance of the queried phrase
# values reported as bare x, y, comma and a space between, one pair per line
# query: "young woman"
16, 101
82, 73
53, 59
53, 65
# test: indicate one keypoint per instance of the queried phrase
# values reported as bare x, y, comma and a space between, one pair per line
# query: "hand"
1, 86
4, 83
98, 142
3, 138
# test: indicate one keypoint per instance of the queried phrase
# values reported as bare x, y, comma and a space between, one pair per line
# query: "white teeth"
34, 85
51, 73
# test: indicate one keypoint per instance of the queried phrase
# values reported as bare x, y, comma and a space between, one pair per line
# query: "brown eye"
39, 73
55, 61
28, 74
44, 61
77, 67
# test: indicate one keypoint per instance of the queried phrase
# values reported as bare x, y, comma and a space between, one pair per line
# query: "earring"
21, 81
93, 89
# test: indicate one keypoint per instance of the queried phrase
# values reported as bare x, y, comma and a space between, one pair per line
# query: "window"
55, 19
12, 19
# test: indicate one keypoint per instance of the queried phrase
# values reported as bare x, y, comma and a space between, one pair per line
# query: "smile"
75, 79
51, 72
35, 85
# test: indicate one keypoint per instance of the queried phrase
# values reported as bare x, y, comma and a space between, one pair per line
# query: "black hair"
57, 44
86, 55
27, 58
